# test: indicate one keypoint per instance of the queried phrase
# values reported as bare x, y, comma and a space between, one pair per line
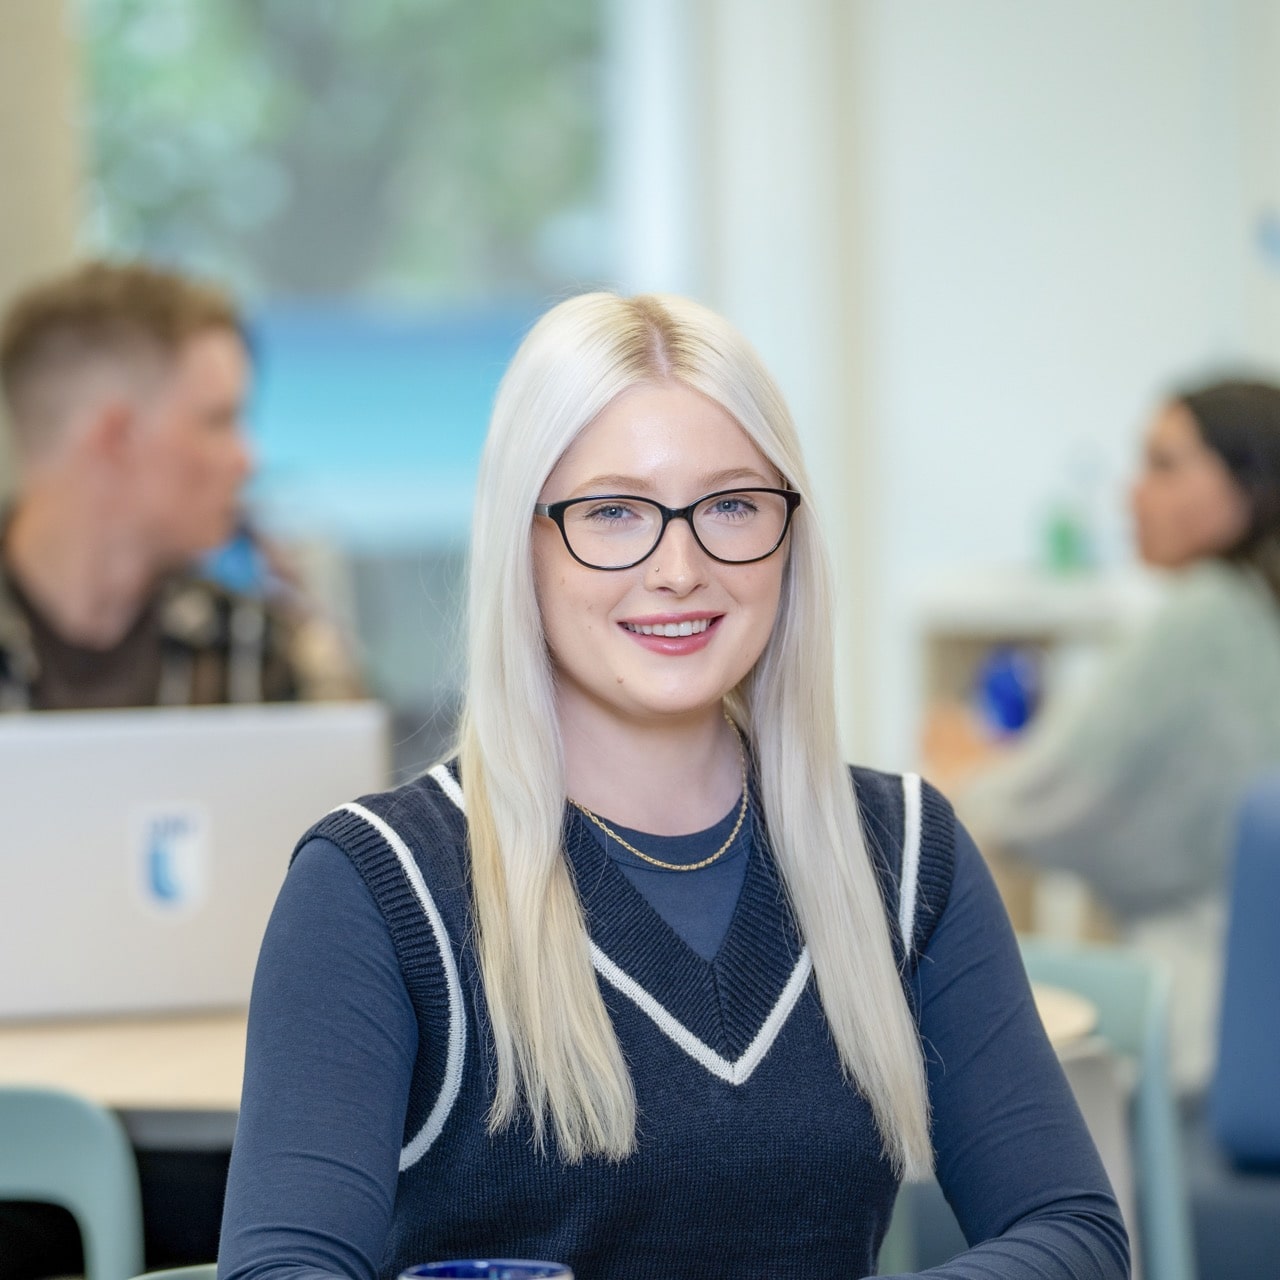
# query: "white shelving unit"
1069, 620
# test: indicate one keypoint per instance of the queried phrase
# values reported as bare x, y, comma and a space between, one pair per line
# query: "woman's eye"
734, 505
609, 512
1164, 463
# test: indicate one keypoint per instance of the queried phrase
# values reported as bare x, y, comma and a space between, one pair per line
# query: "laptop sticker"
171, 858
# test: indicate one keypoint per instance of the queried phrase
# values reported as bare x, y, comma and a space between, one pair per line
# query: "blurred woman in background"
1134, 786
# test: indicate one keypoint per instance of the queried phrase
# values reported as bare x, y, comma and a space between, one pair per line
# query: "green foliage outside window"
432, 150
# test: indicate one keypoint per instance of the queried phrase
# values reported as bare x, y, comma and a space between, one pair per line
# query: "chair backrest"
201, 1271
897, 1250
62, 1149
1132, 1000
1244, 1100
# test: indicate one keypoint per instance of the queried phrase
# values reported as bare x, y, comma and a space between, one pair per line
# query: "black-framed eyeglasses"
618, 531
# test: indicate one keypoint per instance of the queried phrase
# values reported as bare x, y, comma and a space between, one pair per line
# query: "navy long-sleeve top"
334, 1040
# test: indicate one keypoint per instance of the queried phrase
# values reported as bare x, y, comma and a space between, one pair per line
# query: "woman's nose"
678, 563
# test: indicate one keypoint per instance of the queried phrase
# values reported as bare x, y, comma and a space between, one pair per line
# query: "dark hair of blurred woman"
1210, 486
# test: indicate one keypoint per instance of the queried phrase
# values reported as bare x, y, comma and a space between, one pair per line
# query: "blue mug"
488, 1269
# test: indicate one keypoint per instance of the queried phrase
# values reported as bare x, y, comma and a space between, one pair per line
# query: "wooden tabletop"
1068, 1017
175, 1079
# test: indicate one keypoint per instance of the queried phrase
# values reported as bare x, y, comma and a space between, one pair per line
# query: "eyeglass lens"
614, 532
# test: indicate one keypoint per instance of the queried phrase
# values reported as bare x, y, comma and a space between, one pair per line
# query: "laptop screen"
142, 850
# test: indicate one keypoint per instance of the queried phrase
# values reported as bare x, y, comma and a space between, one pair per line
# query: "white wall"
975, 241
1054, 221
1256, 228
1046, 210
778, 244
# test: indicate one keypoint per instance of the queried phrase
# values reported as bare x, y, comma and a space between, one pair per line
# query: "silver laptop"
141, 851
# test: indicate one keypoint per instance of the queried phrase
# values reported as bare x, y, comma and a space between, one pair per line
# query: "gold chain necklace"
682, 866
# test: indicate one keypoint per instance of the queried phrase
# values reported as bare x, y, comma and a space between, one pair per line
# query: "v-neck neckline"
723, 1002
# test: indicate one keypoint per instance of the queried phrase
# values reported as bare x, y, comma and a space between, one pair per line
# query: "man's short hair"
100, 313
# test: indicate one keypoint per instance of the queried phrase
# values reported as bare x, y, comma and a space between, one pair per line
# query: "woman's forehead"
654, 435
1174, 426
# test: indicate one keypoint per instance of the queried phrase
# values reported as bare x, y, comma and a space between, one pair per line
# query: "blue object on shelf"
1007, 688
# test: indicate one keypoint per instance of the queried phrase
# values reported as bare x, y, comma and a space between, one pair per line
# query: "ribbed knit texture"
880, 804
779, 1175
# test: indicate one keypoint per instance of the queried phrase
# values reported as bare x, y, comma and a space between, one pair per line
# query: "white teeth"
671, 629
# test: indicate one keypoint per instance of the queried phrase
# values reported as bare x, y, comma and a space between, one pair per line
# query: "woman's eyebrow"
709, 482
613, 483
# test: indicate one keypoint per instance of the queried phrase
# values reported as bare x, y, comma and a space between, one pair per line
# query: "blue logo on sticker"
173, 859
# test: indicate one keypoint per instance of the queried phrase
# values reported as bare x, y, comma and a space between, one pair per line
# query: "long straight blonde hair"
558, 1059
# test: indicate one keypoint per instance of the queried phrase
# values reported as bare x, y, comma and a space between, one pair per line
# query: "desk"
1068, 1017
1102, 1085
926, 1234
174, 1079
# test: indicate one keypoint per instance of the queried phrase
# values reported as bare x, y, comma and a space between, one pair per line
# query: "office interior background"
974, 242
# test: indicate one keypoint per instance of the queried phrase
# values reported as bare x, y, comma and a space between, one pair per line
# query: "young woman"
1134, 785
644, 980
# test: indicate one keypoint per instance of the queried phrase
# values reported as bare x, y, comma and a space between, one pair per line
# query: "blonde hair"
558, 1056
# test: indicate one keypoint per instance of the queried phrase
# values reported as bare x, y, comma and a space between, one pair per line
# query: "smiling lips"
673, 635
689, 627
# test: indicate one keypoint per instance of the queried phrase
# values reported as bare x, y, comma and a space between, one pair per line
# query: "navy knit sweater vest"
754, 1155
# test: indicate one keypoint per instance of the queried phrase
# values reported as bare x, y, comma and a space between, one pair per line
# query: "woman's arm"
332, 1043
1014, 1158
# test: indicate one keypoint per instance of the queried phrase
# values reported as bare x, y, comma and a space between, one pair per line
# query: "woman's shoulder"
890, 804
1211, 614
1202, 593
909, 828
420, 818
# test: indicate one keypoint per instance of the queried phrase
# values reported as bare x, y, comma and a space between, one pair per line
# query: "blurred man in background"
125, 387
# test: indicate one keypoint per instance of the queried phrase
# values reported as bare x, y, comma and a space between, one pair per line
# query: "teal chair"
58, 1148
1132, 1003
201, 1271
897, 1250
1132, 1000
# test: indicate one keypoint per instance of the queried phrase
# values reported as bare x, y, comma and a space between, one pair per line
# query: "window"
394, 188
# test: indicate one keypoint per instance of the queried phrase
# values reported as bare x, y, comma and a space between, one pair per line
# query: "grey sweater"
1133, 786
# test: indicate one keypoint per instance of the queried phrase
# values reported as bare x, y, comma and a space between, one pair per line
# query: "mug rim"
532, 1268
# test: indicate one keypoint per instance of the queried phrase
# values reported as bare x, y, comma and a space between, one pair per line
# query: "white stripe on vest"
908, 881
731, 1072
456, 1053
